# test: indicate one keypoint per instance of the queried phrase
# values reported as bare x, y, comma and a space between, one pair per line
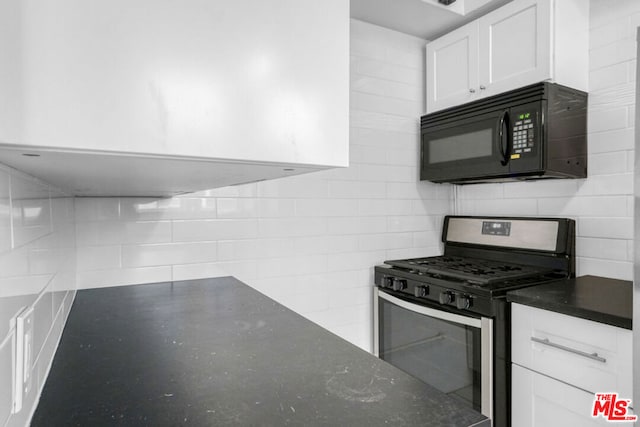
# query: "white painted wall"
602, 204
37, 269
310, 242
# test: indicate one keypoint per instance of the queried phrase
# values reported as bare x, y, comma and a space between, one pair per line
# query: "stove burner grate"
473, 270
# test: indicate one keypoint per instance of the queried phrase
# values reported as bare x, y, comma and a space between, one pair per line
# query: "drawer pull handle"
593, 356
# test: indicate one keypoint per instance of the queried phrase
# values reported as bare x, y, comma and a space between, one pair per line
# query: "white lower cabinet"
540, 401
560, 362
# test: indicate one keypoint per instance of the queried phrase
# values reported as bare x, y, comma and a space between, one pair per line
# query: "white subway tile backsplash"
42, 255
385, 138
607, 77
617, 140
274, 208
384, 207
614, 249
362, 66
606, 227
244, 190
385, 105
427, 238
113, 233
356, 190
608, 163
229, 250
602, 267
245, 270
371, 242
356, 225
15, 263
97, 257
387, 88
606, 35
291, 227
97, 209
43, 321
416, 252
601, 120
123, 276
401, 157
611, 206
292, 266
552, 188
293, 187
408, 223
5, 212
431, 207
607, 184
215, 229
387, 122
30, 211
183, 207
324, 244
168, 254
326, 207
354, 260
237, 208
502, 207
6, 368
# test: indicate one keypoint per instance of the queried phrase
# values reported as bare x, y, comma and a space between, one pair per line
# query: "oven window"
461, 146
443, 354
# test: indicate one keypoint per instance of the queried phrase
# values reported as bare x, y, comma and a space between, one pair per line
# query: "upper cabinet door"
452, 68
515, 46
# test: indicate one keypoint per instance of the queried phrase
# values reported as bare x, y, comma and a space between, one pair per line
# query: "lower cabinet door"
540, 401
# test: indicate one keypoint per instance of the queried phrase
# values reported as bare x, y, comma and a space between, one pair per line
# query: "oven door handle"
437, 314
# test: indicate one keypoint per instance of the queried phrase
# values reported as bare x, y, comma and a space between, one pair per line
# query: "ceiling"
421, 18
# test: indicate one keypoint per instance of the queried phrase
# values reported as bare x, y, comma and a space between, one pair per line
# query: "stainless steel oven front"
451, 352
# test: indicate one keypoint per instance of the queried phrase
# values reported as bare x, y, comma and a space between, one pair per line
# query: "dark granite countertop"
217, 352
594, 298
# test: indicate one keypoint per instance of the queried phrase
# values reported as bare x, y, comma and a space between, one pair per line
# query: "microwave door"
473, 148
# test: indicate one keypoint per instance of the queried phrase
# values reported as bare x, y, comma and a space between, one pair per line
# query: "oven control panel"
431, 292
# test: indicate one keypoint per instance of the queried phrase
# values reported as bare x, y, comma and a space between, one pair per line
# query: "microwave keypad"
523, 136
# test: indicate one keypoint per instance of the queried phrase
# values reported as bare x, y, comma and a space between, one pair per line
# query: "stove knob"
421, 291
463, 302
399, 284
446, 297
387, 282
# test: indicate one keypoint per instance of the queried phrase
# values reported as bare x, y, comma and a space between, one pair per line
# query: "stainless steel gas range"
444, 319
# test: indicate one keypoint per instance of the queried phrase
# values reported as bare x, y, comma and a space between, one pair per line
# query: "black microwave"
538, 131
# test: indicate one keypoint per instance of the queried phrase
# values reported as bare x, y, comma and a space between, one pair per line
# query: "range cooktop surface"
476, 271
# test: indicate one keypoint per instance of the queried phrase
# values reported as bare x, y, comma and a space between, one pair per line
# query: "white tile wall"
309, 241
37, 269
602, 204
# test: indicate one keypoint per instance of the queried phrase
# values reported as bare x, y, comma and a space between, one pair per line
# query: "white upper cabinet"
515, 46
246, 81
521, 43
452, 62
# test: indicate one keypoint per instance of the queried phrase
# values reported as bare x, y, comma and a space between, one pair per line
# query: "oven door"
474, 147
451, 352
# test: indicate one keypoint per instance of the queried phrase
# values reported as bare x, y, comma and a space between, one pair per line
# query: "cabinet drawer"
590, 355
540, 401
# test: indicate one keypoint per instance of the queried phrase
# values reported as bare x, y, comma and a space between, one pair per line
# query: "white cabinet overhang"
157, 97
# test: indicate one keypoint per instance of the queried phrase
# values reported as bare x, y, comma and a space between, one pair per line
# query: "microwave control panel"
523, 136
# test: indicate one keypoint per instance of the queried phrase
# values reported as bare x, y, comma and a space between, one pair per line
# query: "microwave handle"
505, 137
